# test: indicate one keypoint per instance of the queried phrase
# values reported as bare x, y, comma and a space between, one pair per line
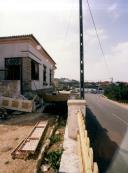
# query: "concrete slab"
69, 160
37, 133
30, 145
16, 104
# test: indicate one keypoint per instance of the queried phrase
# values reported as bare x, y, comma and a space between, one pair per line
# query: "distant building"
25, 63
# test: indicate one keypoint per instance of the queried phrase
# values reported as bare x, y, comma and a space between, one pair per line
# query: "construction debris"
17, 104
45, 168
30, 144
58, 97
3, 113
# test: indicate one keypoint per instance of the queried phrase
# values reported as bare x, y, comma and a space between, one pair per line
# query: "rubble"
45, 167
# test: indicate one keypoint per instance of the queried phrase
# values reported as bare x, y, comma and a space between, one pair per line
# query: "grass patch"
55, 138
53, 159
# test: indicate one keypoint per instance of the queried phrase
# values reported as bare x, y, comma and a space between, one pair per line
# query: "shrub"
53, 158
55, 138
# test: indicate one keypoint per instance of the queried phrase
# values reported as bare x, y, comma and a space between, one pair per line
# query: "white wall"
13, 50
38, 84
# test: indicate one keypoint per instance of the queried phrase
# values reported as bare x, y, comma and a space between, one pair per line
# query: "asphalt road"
107, 125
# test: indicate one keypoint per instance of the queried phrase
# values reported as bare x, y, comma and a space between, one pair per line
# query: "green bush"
117, 92
55, 138
53, 158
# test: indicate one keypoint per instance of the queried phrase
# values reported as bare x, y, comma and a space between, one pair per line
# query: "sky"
55, 23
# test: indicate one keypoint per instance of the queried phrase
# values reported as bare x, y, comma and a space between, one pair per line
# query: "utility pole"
81, 51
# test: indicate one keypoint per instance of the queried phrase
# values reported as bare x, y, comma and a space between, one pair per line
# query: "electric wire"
98, 38
69, 36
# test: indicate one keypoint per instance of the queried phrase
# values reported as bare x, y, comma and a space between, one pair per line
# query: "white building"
24, 64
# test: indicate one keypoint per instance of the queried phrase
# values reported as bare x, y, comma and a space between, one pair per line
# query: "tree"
117, 91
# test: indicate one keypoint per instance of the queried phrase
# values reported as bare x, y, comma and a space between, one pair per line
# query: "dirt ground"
12, 132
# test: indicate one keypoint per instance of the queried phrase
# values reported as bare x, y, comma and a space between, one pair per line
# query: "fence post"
73, 107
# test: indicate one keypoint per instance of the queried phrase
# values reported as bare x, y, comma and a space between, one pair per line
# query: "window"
44, 74
50, 76
13, 67
34, 70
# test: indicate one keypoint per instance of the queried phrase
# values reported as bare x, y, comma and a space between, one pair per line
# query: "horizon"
92, 80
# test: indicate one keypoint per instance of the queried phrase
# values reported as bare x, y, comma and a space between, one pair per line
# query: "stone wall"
26, 74
9, 88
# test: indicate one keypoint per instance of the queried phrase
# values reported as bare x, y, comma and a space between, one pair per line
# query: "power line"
97, 35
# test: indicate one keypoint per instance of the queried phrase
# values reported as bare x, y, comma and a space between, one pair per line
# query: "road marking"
120, 119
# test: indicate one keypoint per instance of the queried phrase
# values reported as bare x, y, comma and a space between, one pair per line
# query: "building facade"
25, 61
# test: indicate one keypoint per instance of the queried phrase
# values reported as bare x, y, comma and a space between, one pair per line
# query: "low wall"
73, 107
78, 154
9, 88
85, 152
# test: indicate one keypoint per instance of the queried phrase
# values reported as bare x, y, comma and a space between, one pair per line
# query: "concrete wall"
73, 107
9, 88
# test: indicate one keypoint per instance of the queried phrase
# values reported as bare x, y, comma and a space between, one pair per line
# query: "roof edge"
28, 36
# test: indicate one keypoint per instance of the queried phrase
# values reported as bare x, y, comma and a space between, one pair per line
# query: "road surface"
107, 124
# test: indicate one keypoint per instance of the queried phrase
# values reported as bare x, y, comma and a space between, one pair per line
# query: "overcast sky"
55, 23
